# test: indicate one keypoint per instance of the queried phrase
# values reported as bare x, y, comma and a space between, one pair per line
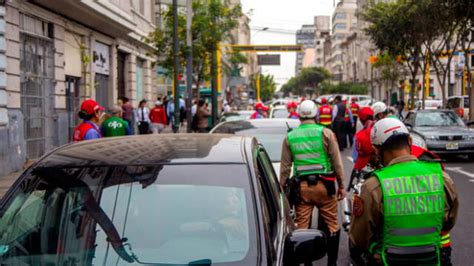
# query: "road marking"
460, 171
350, 159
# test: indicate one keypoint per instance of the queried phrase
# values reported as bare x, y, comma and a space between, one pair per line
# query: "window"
340, 15
340, 26
73, 215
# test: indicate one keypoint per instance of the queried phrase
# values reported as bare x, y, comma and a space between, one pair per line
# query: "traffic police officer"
405, 207
324, 115
313, 151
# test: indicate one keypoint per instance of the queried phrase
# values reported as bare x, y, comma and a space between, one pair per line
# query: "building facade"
344, 20
62, 52
305, 36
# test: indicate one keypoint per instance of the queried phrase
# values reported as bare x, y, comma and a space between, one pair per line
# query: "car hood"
444, 131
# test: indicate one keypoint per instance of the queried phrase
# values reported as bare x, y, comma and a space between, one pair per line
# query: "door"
72, 103
139, 79
37, 90
121, 59
102, 89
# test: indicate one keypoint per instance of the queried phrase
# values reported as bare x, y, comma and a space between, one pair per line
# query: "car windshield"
280, 113
438, 119
166, 215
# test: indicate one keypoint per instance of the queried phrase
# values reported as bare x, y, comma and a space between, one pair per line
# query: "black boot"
333, 247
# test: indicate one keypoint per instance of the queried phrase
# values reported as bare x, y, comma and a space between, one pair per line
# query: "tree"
213, 21
344, 88
267, 87
389, 69
307, 82
399, 29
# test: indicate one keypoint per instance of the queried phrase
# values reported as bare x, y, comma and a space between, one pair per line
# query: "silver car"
443, 130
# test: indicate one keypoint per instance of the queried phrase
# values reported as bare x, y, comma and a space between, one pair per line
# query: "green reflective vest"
306, 145
114, 127
413, 206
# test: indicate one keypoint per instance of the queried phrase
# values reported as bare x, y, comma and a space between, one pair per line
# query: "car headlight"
468, 137
431, 137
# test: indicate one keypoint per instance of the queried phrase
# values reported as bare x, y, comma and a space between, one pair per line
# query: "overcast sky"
283, 17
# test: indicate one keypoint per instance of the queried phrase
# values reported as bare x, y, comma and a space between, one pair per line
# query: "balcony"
101, 15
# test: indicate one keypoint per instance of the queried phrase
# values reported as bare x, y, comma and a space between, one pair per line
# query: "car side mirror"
304, 246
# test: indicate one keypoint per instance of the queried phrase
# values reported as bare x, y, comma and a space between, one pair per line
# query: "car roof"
279, 107
150, 150
433, 111
263, 123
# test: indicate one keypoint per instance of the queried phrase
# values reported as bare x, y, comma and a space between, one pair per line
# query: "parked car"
234, 116
460, 105
429, 104
157, 200
443, 130
279, 112
269, 132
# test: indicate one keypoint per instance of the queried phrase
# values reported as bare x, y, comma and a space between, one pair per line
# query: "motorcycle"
355, 184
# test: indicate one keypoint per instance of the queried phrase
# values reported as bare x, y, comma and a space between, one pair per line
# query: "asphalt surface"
461, 171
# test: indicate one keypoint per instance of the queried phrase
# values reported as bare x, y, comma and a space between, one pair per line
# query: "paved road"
462, 172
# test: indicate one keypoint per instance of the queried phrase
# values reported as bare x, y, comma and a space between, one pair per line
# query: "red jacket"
158, 116
81, 130
355, 110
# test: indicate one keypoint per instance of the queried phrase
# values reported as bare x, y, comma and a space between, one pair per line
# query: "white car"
279, 112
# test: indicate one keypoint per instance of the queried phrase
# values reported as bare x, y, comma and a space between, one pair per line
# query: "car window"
280, 113
453, 103
157, 211
438, 119
410, 119
270, 137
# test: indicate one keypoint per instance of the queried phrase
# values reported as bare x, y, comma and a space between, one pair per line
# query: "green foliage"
213, 21
233, 68
307, 82
344, 88
267, 87
390, 70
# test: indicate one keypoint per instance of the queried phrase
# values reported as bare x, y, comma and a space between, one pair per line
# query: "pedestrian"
339, 112
401, 108
292, 107
127, 112
324, 115
158, 118
348, 125
143, 118
380, 110
405, 207
115, 126
362, 151
226, 108
313, 152
355, 114
182, 110
165, 106
90, 113
259, 111
202, 117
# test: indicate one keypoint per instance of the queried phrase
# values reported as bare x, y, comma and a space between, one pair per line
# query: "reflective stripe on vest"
325, 115
346, 116
306, 145
413, 206
355, 110
445, 240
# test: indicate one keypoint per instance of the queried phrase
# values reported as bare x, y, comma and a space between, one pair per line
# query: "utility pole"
176, 67
214, 74
257, 85
189, 63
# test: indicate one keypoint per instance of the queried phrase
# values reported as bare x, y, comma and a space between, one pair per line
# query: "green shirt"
115, 127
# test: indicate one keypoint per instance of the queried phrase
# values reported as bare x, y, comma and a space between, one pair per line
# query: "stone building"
61, 52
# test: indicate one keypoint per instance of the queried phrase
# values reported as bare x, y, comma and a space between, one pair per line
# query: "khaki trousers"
312, 196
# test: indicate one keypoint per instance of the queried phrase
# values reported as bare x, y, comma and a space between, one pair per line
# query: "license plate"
452, 146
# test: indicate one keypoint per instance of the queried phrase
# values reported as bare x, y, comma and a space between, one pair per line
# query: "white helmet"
379, 107
158, 102
386, 128
307, 109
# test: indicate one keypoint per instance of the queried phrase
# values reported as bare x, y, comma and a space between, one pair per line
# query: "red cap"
344, 101
364, 113
324, 100
259, 105
265, 108
292, 105
364, 148
354, 99
90, 106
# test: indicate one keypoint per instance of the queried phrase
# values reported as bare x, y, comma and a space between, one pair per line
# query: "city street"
462, 172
